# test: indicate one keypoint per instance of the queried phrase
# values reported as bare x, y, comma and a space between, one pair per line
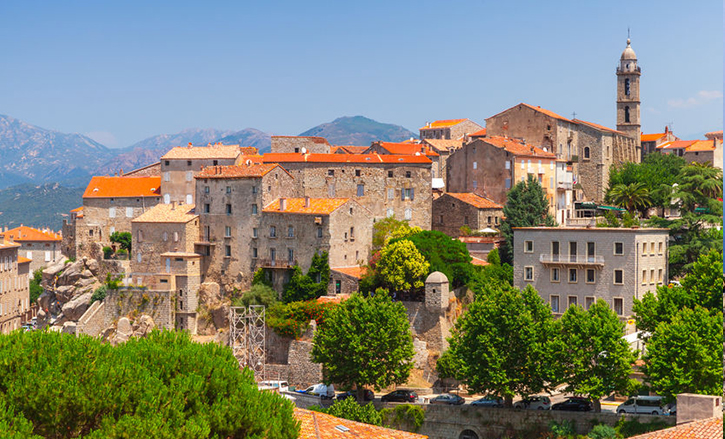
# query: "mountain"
31, 153
359, 131
42, 205
249, 137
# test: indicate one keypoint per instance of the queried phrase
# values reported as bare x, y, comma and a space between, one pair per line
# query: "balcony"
572, 260
566, 185
275, 263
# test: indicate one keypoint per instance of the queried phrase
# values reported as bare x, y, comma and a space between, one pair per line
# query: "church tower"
628, 74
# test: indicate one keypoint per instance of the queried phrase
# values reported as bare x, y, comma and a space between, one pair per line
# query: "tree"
594, 358
526, 206
383, 229
503, 344
350, 409
354, 355
35, 289
685, 354
401, 266
259, 294
162, 386
699, 183
444, 254
657, 172
309, 286
123, 239
633, 197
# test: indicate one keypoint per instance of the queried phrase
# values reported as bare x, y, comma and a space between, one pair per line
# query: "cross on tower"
573, 115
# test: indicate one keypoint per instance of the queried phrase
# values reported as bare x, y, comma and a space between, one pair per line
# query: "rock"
45, 300
93, 266
42, 319
210, 293
59, 320
144, 325
72, 273
54, 269
107, 333
65, 293
124, 327
421, 353
86, 274
84, 282
74, 309
220, 316
69, 328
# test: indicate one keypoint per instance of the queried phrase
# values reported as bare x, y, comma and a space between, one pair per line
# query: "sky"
123, 71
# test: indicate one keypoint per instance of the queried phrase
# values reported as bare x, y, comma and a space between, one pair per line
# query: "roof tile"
407, 148
317, 206
316, 425
651, 137
123, 187
252, 170
216, 151
25, 233
703, 429
475, 200
342, 158
516, 147
442, 123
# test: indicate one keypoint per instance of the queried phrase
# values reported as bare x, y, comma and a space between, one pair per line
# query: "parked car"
321, 390
448, 399
574, 404
650, 405
534, 403
281, 386
369, 395
400, 396
489, 401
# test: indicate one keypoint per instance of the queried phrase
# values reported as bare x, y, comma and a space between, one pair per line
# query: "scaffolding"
247, 337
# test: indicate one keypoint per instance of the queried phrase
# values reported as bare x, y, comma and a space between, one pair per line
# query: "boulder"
86, 274
69, 328
72, 273
42, 319
84, 282
124, 327
143, 326
65, 293
93, 266
74, 309
59, 320
45, 300
51, 272
210, 293
220, 316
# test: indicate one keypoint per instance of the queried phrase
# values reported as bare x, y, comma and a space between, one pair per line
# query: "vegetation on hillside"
38, 205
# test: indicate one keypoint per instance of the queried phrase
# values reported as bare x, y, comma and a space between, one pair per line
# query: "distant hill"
31, 153
249, 137
38, 205
359, 131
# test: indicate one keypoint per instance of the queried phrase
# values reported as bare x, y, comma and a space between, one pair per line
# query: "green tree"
99, 293
123, 239
685, 354
594, 358
401, 266
634, 197
35, 289
350, 409
384, 228
698, 184
657, 172
503, 343
526, 206
353, 355
311, 285
444, 254
258, 294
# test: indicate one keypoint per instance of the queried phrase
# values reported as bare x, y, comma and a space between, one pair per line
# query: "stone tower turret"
628, 103
436, 292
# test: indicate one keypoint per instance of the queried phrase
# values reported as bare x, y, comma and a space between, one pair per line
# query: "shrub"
404, 417
99, 294
123, 239
35, 289
292, 319
602, 431
107, 252
349, 408
259, 294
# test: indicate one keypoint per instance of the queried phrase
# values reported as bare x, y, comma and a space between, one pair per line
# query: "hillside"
359, 131
249, 137
38, 205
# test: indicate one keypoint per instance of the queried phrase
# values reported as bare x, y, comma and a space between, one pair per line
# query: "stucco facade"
451, 211
14, 286
42, 247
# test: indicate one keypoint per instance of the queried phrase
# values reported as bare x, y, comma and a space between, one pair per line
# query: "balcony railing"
564, 185
275, 263
571, 259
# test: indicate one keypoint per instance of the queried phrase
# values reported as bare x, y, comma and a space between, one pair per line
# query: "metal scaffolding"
247, 337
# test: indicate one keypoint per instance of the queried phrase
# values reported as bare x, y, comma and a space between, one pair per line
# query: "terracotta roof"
480, 239
316, 425
516, 147
442, 123
477, 261
348, 149
216, 151
22, 260
181, 255
407, 148
315, 139
481, 133
651, 137
356, 271
167, 213
598, 127
25, 233
77, 209
547, 112
333, 299
701, 145
238, 171
475, 200
717, 134
248, 150
444, 144
318, 206
123, 187
703, 429
6, 243
677, 144
343, 158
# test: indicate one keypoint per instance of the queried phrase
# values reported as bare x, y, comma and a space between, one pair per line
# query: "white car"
534, 403
281, 386
650, 405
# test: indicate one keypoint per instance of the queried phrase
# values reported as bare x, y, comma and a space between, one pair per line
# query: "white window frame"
112, 212
529, 269
614, 277
614, 248
551, 275
586, 276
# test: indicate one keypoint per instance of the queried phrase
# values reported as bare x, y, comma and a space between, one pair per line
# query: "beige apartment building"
14, 286
578, 265
41, 247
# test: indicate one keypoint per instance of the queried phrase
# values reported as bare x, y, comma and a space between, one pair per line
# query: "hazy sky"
125, 70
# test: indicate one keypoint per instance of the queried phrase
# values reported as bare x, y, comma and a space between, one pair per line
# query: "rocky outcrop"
213, 310
125, 329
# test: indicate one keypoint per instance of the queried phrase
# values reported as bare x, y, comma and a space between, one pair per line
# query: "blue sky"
123, 71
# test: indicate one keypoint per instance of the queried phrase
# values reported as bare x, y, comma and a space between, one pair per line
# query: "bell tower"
628, 75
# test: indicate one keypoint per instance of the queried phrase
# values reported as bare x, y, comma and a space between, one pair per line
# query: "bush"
259, 294
292, 319
122, 254
99, 294
123, 239
627, 428
35, 289
404, 417
349, 408
107, 252
602, 431
311, 285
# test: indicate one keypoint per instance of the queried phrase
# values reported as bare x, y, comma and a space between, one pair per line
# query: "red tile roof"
356, 271
407, 148
477, 261
442, 123
701, 145
252, 170
677, 144
317, 206
22, 260
348, 149
651, 137
547, 112
77, 209
248, 150
315, 139
123, 187
481, 133
598, 127
444, 144
475, 200
516, 147
25, 233
716, 134
316, 425
342, 158
216, 151
6, 243
703, 429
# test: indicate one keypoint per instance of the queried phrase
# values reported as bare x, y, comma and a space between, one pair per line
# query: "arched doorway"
468, 434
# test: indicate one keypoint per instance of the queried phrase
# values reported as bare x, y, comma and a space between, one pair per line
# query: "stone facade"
449, 129
570, 265
387, 185
628, 103
125, 302
14, 286
300, 144
451, 211
42, 247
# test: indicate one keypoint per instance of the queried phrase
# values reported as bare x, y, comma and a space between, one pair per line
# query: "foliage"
496, 276
13, 425
259, 294
44, 205
311, 285
447, 365
113, 282
634, 196
493, 257
123, 239
502, 344
259, 278
526, 206
627, 428
404, 417
349, 408
698, 185
404, 231
383, 229
107, 252
122, 253
292, 319
99, 294
657, 173
444, 254
564, 428
353, 355
401, 266
35, 289
162, 386
685, 355
594, 358
602, 431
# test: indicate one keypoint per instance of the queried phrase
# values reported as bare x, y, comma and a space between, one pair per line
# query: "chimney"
282, 204
307, 201
189, 145
173, 205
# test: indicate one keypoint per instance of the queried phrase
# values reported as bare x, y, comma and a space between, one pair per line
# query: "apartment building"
578, 265
41, 247
14, 286
452, 211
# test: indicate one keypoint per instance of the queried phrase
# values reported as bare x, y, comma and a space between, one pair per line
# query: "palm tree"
698, 183
633, 196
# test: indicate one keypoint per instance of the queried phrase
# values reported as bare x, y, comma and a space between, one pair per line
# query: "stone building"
109, 205
578, 265
628, 103
348, 149
387, 185
448, 129
452, 210
300, 144
14, 286
650, 142
182, 163
230, 203
705, 151
294, 229
390, 148
42, 247
444, 148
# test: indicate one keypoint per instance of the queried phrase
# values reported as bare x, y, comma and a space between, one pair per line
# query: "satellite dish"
304, 150
249, 162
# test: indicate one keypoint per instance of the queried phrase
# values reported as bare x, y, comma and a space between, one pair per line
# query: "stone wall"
294, 144
126, 302
93, 321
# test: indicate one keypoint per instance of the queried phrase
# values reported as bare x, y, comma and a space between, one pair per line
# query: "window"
618, 277
357, 172
255, 232
206, 207
138, 259
591, 251
508, 164
331, 172
254, 209
140, 236
644, 277
352, 233
652, 276
529, 274
390, 212
290, 232
254, 252
176, 236
475, 165
488, 220
47, 256
465, 220
626, 86
319, 232
554, 275
254, 190
215, 162
572, 275
167, 199
189, 176
228, 251
390, 174
508, 183
391, 194
554, 301
618, 248
227, 232
290, 255
475, 185
551, 182
229, 189
619, 306
408, 214
206, 189
166, 163
626, 114
112, 212
572, 301
407, 194
407, 174
165, 236
586, 153
272, 232
528, 246
167, 176
591, 276
229, 209
555, 251
360, 190
188, 163
652, 248
659, 248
